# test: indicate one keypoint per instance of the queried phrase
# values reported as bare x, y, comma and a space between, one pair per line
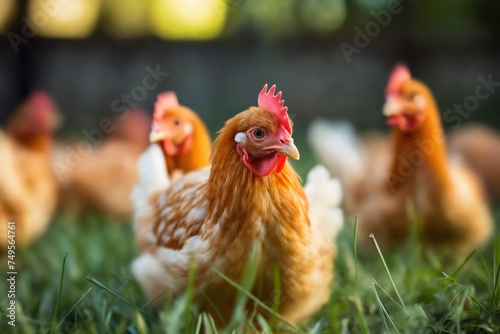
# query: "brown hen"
251, 198
28, 187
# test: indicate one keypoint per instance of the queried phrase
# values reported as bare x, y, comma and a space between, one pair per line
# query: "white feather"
166, 269
324, 195
337, 147
150, 273
240, 137
196, 214
153, 177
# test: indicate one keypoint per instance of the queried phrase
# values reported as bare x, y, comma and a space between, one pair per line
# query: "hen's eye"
177, 122
258, 133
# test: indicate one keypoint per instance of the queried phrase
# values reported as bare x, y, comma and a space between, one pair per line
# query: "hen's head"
263, 135
134, 127
38, 116
407, 100
172, 125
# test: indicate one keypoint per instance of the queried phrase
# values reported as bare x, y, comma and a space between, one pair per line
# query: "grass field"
99, 295
408, 291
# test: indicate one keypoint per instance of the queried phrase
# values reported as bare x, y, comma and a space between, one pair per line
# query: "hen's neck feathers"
237, 196
426, 142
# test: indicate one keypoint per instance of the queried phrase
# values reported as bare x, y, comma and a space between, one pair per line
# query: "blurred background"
331, 58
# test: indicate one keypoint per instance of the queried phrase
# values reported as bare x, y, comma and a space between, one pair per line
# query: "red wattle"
169, 147
281, 163
405, 122
396, 120
261, 167
184, 147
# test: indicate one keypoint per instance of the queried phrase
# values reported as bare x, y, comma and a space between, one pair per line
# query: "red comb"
273, 103
398, 76
41, 102
167, 100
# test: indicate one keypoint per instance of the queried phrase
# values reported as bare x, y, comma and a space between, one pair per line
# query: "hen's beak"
289, 150
392, 107
157, 135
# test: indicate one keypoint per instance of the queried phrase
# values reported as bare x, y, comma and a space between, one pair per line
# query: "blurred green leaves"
455, 21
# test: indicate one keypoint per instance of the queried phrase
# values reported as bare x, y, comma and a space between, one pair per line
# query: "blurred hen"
251, 198
28, 187
185, 144
452, 213
104, 178
182, 136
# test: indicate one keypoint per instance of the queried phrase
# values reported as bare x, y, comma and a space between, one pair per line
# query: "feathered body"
28, 190
28, 187
219, 215
479, 147
104, 178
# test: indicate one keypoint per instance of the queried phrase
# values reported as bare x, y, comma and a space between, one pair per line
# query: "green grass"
92, 290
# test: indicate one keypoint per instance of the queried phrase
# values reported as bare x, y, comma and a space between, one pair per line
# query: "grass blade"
276, 295
177, 318
87, 328
360, 315
316, 328
494, 262
355, 248
209, 324
190, 291
387, 270
198, 324
114, 294
214, 308
379, 303
411, 214
357, 300
494, 294
74, 306
481, 306
247, 282
388, 295
59, 292
255, 299
455, 273
459, 310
